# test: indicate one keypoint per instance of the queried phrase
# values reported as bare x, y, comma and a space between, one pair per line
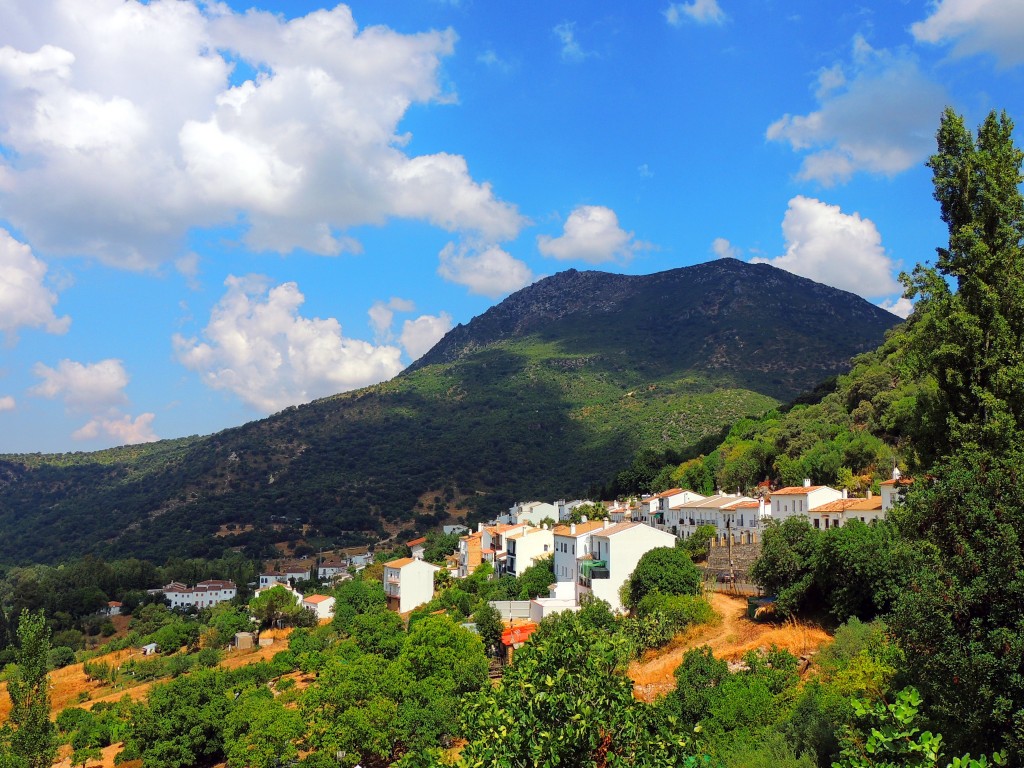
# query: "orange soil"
654, 675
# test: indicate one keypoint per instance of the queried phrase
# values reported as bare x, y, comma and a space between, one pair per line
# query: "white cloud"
976, 27
591, 234
490, 272
260, 348
123, 429
382, 314
7, 403
491, 59
700, 11
84, 387
835, 248
571, 50
723, 249
96, 389
877, 115
119, 150
419, 335
25, 300
901, 307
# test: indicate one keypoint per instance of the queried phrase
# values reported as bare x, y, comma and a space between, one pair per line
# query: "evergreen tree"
960, 621
33, 741
970, 340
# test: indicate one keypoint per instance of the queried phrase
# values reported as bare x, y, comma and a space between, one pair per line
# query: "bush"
681, 611
61, 656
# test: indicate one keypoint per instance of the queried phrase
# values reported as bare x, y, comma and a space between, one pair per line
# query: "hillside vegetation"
545, 395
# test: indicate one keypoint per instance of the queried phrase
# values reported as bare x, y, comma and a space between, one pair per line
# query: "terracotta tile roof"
669, 492
581, 528
317, 598
901, 481
400, 562
842, 505
414, 542
619, 528
796, 490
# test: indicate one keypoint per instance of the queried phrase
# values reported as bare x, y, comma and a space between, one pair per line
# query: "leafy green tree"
696, 546
260, 732
33, 741
537, 579
489, 625
589, 510
891, 736
785, 567
567, 701
971, 340
668, 570
959, 621
275, 606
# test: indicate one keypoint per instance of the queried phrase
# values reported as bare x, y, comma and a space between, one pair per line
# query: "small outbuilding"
150, 649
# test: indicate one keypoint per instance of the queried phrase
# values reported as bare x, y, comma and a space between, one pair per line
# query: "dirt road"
734, 635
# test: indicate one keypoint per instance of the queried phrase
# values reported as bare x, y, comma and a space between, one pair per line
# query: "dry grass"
654, 675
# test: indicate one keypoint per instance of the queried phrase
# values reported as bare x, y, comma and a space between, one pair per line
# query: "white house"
795, 501
532, 512
417, 547
565, 508
727, 512
288, 575
205, 594
328, 569
613, 556
661, 506
408, 583
570, 542
835, 514
524, 548
321, 605
893, 489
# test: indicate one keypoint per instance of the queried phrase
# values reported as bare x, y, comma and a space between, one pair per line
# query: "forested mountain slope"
549, 392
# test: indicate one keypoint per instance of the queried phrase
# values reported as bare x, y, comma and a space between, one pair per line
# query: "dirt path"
653, 675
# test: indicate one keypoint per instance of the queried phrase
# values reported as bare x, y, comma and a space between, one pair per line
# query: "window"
817, 523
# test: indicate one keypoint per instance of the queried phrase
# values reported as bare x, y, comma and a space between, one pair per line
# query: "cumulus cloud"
7, 403
699, 11
901, 307
835, 248
84, 387
419, 335
876, 114
591, 234
117, 151
122, 429
95, 389
25, 300
973, 27
258, 347
723, 249
382, 315
488, 272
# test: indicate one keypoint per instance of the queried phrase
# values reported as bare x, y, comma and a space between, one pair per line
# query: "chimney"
583, 519
869, 493
807, 482
607, 523
760, 507
845, 493
572, 529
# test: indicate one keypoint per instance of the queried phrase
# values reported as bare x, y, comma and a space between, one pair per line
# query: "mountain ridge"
550, 391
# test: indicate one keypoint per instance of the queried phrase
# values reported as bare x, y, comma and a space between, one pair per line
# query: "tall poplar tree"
960, 621
971, 339
32, 736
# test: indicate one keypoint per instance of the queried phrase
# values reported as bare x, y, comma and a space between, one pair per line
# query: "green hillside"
545, 395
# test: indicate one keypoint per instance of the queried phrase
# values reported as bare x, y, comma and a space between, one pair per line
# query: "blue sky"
210, 211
